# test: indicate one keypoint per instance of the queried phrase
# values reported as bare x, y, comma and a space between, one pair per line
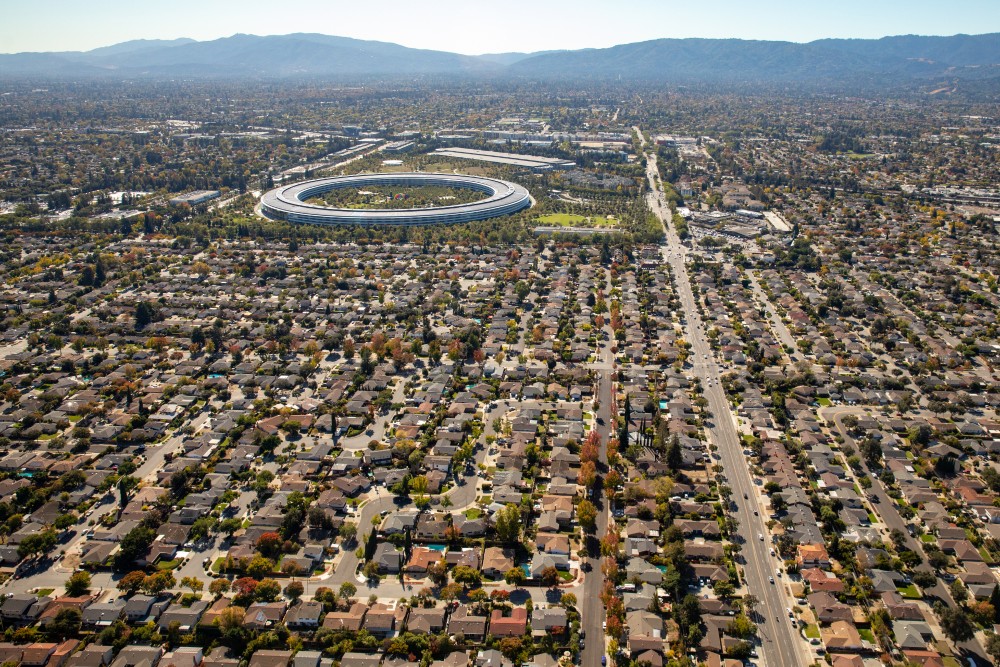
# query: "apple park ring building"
289, 202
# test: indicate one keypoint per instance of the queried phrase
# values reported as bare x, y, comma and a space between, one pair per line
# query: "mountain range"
904, 59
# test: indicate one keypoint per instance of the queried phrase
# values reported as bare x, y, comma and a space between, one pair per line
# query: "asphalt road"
781, 645
593, 613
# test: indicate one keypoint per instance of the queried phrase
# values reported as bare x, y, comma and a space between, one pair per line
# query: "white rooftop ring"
288, 202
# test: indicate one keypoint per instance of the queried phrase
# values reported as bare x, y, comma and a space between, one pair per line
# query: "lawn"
572, 219
473, 513
41, 592
825, 402
812, 631
562, 219
867, 635
926, 537
217, 565
168, 565
909, 592
566, 576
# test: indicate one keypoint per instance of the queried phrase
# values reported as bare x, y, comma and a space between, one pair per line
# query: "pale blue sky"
483, 26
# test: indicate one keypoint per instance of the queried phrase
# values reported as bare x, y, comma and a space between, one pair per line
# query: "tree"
219, 586
259, 567
515, 577
230, 618
959, 591
132, 581
245, 586
347, 590
507, 524
230, 525
193, 583
956, 624
550, 577
294, 590
267, 590
200, 528
78, 584
348, 532
467, 576
65, 624
135, 544
742, 627
924, 579
158, 582
144, 314
269, 544
993, 646
438, 572
587, 515
37, 543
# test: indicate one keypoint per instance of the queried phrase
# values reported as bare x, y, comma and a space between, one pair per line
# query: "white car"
760, 536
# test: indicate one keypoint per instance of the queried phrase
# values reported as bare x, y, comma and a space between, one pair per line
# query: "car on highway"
760, 536
771, 579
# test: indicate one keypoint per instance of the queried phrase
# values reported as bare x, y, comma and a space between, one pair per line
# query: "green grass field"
561, 219
574, 220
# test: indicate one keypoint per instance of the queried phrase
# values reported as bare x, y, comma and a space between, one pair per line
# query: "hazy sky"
483, 26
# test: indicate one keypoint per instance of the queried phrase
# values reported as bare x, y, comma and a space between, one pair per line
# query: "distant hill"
301, 54
890, 59
511, 58
904, 59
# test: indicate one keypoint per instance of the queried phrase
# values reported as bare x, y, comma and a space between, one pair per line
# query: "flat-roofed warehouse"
194, 198
532, 162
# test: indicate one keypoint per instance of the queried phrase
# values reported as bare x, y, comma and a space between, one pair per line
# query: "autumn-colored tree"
499, 595
587, 515
131, 582
245, 586
610, 542
587, 475
614, 627
219, 586
269, 544
230, 618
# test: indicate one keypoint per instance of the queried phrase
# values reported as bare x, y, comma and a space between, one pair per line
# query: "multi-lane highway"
590, 605
780, 643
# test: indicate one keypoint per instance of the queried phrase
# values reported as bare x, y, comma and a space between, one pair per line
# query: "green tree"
347, 590
144, 314
956, 624
37, 543
515, 577
78, 584
134, 545
467, 576
924, 579
267, 590
259, 567
66, 623
507, 524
